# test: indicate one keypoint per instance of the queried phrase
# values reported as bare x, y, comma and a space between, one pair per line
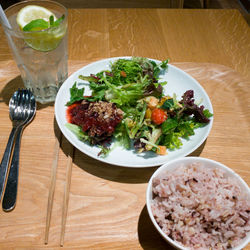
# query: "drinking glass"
41, 56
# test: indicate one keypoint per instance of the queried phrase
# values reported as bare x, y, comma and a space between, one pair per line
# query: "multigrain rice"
201, 208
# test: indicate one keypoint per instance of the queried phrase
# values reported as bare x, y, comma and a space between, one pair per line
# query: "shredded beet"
98, 119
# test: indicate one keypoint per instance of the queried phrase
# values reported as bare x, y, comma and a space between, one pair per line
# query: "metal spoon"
20, 108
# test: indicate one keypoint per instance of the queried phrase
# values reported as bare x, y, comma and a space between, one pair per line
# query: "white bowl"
174, 164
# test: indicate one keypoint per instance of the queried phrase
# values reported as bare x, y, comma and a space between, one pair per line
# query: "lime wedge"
39, 38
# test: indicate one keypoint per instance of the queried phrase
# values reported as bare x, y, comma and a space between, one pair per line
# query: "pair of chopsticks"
52, 191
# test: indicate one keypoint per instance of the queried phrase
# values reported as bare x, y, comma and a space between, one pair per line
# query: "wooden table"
107, 203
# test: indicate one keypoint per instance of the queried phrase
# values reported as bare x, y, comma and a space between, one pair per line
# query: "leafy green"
104, 151
121, 135
191, 108
171, 140
57, 22
131, 68
41, 24
75, 94
128, 81
129, 85
77, 130
151, 137
168, 104
51, 20
124, 95
168, 125
38, 24
137, 120
164, 64
90, 78
174, 129
157, 68
207, 113
186, 128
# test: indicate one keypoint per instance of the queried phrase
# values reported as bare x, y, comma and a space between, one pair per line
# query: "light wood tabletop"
107, 205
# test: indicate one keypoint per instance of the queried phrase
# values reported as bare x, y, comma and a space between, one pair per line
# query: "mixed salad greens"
152, 121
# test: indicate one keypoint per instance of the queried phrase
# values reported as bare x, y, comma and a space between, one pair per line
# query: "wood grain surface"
214, 36
107, 203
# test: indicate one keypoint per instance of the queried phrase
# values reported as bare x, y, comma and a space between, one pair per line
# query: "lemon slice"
42, 40
32, 12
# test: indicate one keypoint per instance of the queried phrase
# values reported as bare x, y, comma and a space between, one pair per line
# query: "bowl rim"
189, 160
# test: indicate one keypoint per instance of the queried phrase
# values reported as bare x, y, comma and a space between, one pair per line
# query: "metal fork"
19, 110
10, 195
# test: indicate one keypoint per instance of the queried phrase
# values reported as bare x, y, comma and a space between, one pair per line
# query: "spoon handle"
5, 161
9, 199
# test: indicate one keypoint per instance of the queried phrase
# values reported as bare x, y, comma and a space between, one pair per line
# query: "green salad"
128, 106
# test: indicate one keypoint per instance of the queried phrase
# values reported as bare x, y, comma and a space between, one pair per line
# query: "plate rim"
135, 165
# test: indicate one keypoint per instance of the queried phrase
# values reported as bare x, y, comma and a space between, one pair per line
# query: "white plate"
178, 82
